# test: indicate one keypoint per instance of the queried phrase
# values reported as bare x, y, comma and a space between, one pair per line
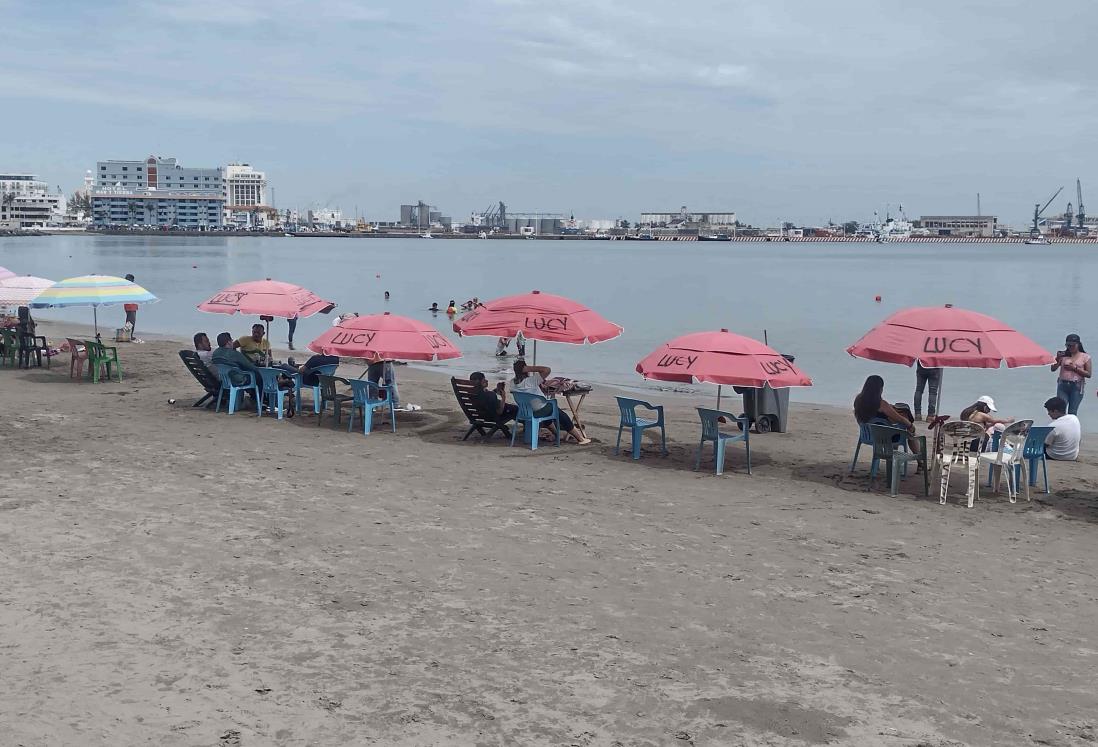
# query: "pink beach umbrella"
20, 290
539, 316
948, 337
721, 358
945, 336
266, 298
385, 336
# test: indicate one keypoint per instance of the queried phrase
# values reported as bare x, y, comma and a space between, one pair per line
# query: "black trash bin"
766, 408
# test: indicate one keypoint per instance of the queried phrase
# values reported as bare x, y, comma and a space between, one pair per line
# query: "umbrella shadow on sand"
1078, 504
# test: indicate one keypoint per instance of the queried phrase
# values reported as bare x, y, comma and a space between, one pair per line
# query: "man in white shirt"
1063, 442
203, 348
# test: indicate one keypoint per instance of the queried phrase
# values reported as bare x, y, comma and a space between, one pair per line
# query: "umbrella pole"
535, 352
95, 318
718, 396
938, 399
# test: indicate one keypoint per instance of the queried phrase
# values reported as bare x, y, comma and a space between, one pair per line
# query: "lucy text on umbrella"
952, 344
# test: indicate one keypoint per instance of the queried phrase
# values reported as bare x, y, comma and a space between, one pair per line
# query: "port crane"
1081, 212
1038, 210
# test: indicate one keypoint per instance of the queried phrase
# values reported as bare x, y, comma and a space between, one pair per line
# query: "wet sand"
178, 577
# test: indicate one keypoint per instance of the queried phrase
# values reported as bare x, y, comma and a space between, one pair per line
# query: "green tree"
79, 202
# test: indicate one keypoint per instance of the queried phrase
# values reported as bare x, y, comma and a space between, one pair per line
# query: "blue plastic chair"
890, 446
329, 370
1034, 451
638, 425
530, 422
865, 438
227, 385
711, 432
368, 396
272, 392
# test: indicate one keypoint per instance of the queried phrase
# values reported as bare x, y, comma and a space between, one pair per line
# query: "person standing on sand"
131, 314
1074, 366
923, 376
292, 324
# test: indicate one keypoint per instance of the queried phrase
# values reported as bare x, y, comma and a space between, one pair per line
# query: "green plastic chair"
888, 443
10, 341
100, 355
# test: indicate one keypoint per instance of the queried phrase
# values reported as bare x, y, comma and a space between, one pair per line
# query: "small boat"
1037, 240
715, 237
426, 235
482, 235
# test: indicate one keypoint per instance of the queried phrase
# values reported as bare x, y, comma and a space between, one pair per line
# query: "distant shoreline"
567, 237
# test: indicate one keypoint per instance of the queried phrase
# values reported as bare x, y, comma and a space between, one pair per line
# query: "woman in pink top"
1073, 363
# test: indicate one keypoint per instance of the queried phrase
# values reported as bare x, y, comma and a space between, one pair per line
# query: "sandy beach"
173, 576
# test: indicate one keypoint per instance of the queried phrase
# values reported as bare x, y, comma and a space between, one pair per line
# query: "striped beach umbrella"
94, 291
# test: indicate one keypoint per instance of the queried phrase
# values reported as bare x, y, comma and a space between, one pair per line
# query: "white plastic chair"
1012, 442
957, 438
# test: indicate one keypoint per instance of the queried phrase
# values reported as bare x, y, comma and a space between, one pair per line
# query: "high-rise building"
246, 197
244, 186
157, 192
25, 202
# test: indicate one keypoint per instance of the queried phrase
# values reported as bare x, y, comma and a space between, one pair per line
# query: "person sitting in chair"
255, 346
1063, 442
203, 348
530, 380
492, 404
308, 371
979, 412
227, 355
871, 407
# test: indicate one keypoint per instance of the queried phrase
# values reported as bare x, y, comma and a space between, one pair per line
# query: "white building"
985, 226
244, 186
25, 202
245, 191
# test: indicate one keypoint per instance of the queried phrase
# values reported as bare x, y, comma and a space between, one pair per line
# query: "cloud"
869, 97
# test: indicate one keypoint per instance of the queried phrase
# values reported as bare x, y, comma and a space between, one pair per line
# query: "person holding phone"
492, 403
1074, 366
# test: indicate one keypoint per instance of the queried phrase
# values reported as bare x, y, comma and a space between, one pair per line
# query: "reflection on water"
811, 300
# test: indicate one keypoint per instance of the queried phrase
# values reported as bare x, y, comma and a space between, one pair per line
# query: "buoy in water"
877, 299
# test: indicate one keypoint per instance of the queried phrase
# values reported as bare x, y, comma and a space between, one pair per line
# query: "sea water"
811, 300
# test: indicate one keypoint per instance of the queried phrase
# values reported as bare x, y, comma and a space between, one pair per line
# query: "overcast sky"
798, 110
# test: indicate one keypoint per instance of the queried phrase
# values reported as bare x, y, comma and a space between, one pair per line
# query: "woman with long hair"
870, 405
529, 380
1073, 363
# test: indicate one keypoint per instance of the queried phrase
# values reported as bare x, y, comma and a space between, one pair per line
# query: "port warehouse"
959, 225
684, 218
